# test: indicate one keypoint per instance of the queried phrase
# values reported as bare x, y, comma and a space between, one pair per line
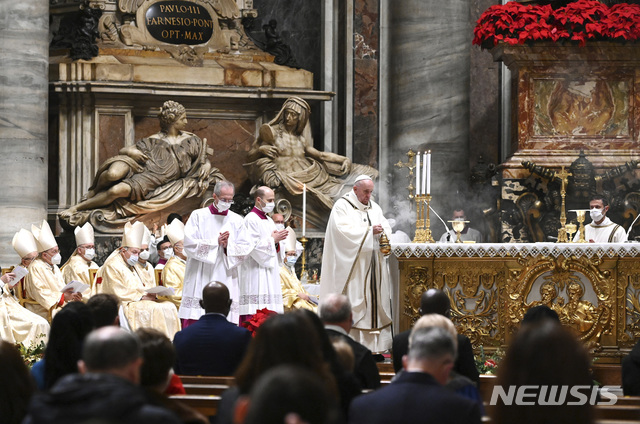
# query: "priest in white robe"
17, 324
45, 282
601, 229
81, 261
259, 243
210, 233
173, 273
118, 276
353, 265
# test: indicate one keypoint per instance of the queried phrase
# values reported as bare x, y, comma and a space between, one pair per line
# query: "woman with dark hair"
17, 385
283, 339
69, 327
545, 354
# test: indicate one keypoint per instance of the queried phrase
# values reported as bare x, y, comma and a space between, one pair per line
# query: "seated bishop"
143, 266
17, 324
118, 276
45, 282
81, 261
173, 271
294, 296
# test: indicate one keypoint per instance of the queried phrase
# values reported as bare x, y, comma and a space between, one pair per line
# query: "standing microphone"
443, 223
631, 226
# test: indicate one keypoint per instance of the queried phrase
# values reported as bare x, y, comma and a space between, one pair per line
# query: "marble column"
425, 55
24, 53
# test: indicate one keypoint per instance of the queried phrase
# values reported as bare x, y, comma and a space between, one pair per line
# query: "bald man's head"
216, 299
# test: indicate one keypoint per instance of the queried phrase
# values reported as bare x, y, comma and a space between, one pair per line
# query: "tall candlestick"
304, 210
424, 172
418, 173
429, 172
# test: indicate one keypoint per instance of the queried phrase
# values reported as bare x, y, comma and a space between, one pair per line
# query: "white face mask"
268, 208
168, 252
56, 259
144, 255
279, 227
133, 259
596, 214
89, 254
291, 260
223, 206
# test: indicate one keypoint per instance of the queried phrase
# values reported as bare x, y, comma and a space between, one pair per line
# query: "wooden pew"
205, 389
206, 405
618, 412
203, 379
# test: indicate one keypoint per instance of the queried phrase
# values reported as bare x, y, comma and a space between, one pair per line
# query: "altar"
594, 288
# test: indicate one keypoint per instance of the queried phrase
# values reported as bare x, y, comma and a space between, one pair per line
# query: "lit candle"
418, 173
304, 209
424, 171
429, 172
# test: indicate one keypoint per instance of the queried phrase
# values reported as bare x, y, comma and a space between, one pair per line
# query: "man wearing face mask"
44, 281
143, 266
467, 234
118, 276
259, 243
165, 252
209, 235
174, 270
294, 296
78, 265
601, 229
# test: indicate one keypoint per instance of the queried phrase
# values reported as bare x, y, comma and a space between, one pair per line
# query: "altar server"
352, 264
45, 281
601, 229
17, 324
118, 276
210, 234
260, 243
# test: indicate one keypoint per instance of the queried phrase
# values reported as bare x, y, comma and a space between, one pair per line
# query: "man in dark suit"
435, 301
335, 313
212, 345
417, 394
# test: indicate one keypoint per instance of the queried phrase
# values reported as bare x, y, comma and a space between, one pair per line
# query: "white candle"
418, 173
304, 209
424, 172
429, 172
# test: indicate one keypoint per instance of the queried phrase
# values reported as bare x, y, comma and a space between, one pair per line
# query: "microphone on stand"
631, 226
443, 223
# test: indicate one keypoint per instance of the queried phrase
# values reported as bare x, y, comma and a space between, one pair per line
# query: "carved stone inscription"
179, 22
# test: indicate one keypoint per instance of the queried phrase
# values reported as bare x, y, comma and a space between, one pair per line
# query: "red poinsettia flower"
257, 319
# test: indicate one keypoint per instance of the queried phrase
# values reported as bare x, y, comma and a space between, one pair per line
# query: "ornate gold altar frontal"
594, 288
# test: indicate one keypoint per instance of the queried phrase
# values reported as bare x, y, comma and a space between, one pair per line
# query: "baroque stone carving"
78, 32
283, 158
154, 174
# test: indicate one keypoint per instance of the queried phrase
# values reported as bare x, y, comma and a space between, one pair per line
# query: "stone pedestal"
24, 31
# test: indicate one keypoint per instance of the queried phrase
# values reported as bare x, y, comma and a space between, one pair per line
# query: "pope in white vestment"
259, 243
209, 235
353, 265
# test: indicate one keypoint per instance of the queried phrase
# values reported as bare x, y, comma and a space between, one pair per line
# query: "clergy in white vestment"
17, 324
143, 266
78, 265
209, 235
353, 265
259, 243
119, 276
174, 270
45, 281
601, 229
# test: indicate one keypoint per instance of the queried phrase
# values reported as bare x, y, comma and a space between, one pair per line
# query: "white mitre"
44, 236
84, 234
133, 235
175, 231
24, 243
290, 241
146, 237
363, 177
